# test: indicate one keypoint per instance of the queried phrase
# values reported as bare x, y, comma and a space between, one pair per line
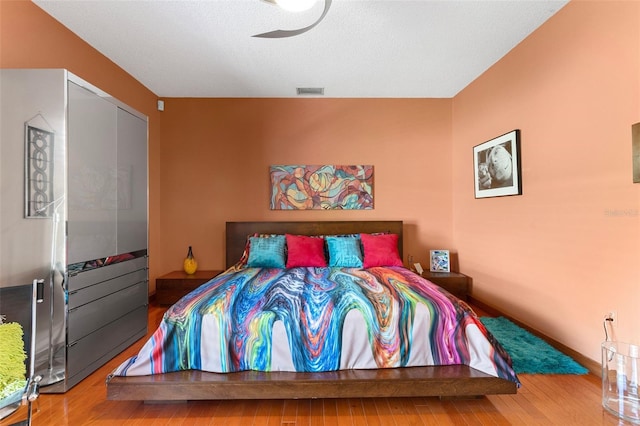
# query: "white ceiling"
363, 48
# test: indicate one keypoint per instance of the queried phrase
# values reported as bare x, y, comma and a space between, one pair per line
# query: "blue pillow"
344, 252
266, 252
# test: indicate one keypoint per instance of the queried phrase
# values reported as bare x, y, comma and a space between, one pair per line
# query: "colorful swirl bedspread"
318, 319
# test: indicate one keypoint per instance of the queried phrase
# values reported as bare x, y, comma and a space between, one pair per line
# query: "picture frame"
635, 151
38, 172
496, 166
439, 261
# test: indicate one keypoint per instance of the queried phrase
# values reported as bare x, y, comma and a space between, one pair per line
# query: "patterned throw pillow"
344, 252
266, 252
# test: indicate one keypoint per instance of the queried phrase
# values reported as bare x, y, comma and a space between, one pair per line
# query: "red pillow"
305, 251
380, 250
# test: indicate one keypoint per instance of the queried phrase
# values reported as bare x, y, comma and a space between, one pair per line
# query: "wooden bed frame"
441, 381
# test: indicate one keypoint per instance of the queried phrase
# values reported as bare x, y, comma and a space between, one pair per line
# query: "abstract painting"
326, 187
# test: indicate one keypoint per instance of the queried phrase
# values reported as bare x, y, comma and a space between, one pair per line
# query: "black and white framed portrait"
496, 166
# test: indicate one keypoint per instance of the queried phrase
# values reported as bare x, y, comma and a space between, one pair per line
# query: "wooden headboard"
237, 232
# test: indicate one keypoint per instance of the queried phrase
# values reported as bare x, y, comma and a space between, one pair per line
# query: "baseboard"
591, 365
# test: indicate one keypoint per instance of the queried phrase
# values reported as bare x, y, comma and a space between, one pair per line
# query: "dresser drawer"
99, 313
105, 273
92, 348
87, 294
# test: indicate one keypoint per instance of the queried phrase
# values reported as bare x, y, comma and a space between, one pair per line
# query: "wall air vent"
310, 91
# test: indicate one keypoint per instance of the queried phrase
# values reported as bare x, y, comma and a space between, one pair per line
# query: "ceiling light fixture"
291, 33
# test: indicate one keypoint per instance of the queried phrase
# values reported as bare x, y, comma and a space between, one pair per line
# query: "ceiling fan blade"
291, 33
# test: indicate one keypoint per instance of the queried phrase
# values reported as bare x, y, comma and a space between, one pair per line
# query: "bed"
364, 349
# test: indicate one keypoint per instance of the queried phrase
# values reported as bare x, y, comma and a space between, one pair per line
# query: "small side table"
454, 282
172, 286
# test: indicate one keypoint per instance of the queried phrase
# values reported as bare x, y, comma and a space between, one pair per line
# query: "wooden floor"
542, 400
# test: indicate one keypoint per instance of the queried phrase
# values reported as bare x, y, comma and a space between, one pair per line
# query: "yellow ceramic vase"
190, 265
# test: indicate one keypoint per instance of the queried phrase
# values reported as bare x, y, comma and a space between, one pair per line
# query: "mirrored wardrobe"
73, 212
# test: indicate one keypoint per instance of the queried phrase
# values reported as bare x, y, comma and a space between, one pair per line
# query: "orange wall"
567, 251
216, 155
30, 38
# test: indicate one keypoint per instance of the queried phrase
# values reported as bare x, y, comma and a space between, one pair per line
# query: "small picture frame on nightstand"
439, 261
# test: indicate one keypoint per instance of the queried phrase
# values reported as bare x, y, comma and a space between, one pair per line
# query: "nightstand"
454, 282
172, 286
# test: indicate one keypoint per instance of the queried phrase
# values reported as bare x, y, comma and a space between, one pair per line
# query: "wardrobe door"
132, 182
92, 176
33, 159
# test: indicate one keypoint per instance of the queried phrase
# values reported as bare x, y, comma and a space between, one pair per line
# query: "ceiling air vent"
315, 91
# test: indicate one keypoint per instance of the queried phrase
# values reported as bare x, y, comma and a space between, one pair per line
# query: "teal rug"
530, 354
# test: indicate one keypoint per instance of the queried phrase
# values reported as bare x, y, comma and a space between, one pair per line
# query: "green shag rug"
530, 354
12, 362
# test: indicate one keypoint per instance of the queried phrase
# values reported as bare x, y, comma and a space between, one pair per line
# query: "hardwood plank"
371, 412
233, 412
405, 413
329, 412
262, 413
303, 415
467, 415
423, 409
512, 410
547, 398
452, 413
383, 409
199, 413
289, 412
343, 410
487, 412
358, 416
316, 411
